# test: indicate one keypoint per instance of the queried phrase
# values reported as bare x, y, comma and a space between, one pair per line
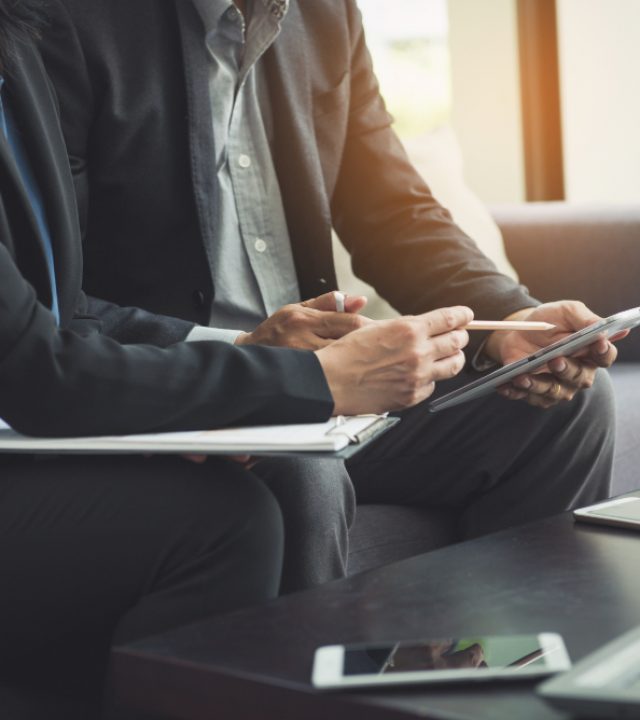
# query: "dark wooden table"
581, 581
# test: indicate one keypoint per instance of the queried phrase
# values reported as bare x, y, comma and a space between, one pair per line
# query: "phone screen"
513, 653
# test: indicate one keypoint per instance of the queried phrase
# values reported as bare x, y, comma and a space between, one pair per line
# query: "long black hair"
19, 21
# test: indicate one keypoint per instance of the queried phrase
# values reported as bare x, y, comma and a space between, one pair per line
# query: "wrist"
332, 375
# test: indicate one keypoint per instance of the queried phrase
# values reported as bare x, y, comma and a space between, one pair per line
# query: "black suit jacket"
77, 379
132, 80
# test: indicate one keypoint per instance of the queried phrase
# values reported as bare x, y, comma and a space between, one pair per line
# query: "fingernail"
523, 383
603, 352
560, 365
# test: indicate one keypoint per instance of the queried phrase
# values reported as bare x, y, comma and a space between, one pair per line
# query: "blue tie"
12, 135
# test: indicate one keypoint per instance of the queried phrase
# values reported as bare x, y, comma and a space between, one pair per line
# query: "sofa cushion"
626, 468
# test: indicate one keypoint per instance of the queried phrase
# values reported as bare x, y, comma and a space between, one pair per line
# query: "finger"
447, 367
199, 459
355, 303
573, 373
511, 393
577, 315
540, 401
449, 343
603, 354
619, 335
327, 303
241, 459
335, 325
544, 385
445, 319
469, 657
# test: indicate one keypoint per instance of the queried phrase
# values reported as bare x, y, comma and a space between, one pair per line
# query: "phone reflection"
444, 654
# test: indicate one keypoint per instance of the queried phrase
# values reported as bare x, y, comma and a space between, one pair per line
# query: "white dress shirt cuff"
481, 362
200, 333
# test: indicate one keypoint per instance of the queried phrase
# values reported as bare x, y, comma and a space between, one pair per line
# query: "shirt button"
260, 245
244, 161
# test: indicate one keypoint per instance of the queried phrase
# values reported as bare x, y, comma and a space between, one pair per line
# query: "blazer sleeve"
56, 382
129, 325
401, 240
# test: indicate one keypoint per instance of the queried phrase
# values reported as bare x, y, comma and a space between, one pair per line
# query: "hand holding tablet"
611, 327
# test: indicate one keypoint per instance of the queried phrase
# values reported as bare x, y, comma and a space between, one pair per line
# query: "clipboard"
339, 437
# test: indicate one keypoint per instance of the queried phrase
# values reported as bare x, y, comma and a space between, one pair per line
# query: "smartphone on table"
439, 660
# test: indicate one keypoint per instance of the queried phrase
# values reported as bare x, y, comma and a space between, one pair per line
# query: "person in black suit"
214, 146
95, 550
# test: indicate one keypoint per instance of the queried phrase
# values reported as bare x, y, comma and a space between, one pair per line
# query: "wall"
600, 92
486, 96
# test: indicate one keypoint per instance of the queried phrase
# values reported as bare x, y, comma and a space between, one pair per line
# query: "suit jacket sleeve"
401, 240
130, 325
56, 382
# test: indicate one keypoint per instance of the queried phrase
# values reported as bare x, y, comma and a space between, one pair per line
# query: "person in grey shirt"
215, 145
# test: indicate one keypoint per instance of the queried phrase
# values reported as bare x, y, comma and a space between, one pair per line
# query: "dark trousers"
494, 462
99, 550
489, 464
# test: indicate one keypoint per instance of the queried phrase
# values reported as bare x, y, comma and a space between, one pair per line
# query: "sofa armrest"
578, 252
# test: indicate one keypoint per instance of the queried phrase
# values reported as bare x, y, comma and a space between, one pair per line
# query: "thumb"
327, 303
354, 303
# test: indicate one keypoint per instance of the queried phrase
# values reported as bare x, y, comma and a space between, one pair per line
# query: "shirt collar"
211, 11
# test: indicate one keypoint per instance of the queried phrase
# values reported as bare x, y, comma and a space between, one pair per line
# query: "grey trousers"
491, 463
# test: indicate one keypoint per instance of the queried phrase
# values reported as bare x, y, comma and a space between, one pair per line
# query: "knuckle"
295, 317
413, 361
455, 342
449, 317
429, 389
409, 332
576, 374
457, 364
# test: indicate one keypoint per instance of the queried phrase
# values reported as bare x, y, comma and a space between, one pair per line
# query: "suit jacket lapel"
200, 121
34, 108
296, 157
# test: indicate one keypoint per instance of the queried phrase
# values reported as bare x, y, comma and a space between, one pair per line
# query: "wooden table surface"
580, 581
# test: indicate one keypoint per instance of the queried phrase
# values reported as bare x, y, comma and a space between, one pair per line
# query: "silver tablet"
621, 512
605, 684
567, 346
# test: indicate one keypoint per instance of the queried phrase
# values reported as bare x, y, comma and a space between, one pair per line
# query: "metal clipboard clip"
339, 428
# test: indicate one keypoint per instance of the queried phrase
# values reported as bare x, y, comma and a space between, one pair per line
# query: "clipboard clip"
360, 437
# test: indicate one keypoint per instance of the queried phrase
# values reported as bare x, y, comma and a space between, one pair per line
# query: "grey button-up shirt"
252, 264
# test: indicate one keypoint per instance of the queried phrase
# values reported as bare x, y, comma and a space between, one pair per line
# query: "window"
408, 40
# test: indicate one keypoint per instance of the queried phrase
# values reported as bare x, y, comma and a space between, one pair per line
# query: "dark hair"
19, 21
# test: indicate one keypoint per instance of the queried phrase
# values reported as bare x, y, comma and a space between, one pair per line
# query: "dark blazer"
132, 80
77, 379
